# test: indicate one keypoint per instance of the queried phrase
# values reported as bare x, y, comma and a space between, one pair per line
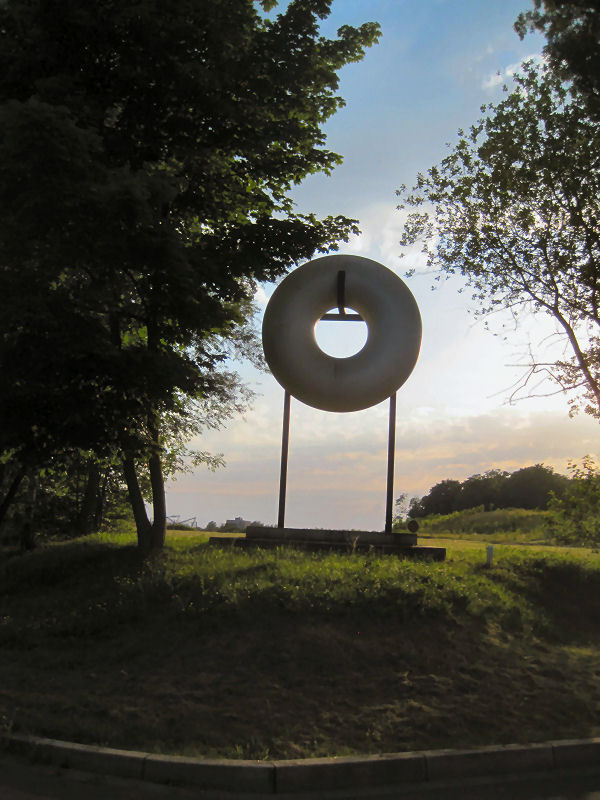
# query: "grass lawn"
501, 526
281, 654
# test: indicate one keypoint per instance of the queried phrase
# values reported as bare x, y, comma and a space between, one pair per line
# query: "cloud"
493, 80
337, 462
382, 225
503, 75
482, 55
261, 298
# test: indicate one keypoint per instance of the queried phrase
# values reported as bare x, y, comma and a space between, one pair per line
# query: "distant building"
237, 524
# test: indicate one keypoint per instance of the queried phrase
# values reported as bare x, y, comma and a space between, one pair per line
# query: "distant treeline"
530, 487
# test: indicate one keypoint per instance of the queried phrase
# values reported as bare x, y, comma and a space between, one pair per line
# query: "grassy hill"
512, 525
277, 654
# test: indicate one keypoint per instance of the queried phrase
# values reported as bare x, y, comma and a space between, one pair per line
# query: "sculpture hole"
341, 338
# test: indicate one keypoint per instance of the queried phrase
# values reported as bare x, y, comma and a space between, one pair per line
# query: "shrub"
574, 518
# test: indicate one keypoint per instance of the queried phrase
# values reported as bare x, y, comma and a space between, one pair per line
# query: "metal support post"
341, 292
390, 469
285, 440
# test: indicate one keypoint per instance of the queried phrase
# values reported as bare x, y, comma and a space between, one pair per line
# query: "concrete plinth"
400, 544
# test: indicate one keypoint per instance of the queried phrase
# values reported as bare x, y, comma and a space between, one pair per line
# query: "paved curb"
305, 775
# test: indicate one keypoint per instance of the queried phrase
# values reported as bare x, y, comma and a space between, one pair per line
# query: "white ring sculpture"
342, 384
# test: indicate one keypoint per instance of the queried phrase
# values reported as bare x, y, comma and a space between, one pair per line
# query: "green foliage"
527, 488
572, 30
146, 165
515, 212
575, 517
442, 499
73, 494
532, 487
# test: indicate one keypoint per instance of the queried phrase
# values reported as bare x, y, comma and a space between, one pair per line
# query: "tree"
73, 494
481, 490
572, 30
146, 160
532, 487
48, 385
575, 517
415, 509
401, 507
529, 487
442, 499
515, 210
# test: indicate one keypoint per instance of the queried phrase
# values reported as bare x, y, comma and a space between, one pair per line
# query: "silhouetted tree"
442, 499
146, 160
575, 517
415, 508
531, 487
572, 30
516, 211
481, 490
73, 494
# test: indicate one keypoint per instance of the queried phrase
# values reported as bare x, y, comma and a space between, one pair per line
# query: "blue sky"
435, 65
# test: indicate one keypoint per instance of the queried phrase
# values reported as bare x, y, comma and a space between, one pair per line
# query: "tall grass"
516, 525
81, 587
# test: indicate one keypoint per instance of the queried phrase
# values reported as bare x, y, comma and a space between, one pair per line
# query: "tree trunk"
159, 502
157, 481
151, 535
142, 523
10, 494
28, 531
100, 503
77, 481
90, 499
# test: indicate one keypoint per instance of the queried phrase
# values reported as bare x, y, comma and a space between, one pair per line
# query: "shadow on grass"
284, 688
206, 653
566, 592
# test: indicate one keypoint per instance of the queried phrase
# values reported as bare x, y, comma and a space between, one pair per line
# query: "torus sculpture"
389, 355
373, 374
382, 301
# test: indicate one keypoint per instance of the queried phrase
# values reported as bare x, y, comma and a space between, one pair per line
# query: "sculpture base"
400, 544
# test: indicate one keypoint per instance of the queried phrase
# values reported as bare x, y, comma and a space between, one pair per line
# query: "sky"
436, 63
